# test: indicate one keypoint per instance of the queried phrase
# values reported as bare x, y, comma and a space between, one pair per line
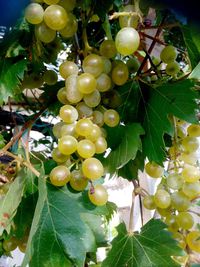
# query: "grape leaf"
170, 99
101, 7
153, 246
195, 74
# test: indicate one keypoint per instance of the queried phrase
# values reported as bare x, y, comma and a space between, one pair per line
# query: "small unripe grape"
68, 5
94, 134
154, 170
10, 244
50, 77
108, 49
85, 148
185, 220
98, 195
133, 64
51, 2
44, 33
190, 173
111, 117
129, 21
62, 96
97, 118
68, 114
58, 156
59, 176
107, 65
103, 82
86, 83
190, 144
191, 190
93, 99
84, 110
172, 68
193, 240
70, 28
194, 130
92, 168
67, 144
120, 74
56, 129
175, 181
148, 202
72, 93
180, 201
168, 54
68, 68
77, 181
55, 17
93, 64
100, 145
83, 127
162, 199
34, 13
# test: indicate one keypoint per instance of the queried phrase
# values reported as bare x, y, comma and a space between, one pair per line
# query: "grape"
10, 244
60, 175
98, 195
97, 118
108, 49
100, 145
72, 93
92, 100
191, 190
172, 68
154, 170
56, 129
86, 83
55, 17
164, 212
133, 64
190, 144
120, 73
180, 201
68, 129
193, 240
107, 65
174, 181
68, 5
22, 243
84, 110
62, 96
189, 158
180, 238
148, 202
85, 148
50, 77
58, 156
129, 21
190, 173
172, 223
67, 144
68, 114
94, 134
168, 54
127, 41
33, 80
194, 130
51, 2
185, 220
162, 199
70, 28
34, 13
92, 168
68, 68
103, 82
83, 127
93, 64
111, 99
77, 181
181, 132
44, 33
111, 118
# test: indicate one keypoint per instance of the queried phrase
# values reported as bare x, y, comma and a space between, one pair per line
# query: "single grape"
133, 64
93, 64
168, 54
108, 49
55, 17
98, 195
68, 114
107, 65
77, 180
164, 212
50, 77
62, 96
10, 244
34, 13
154, 170
33, 80
148, 202
101, 145
111, 117
180, 201
97, 118
67, 144
83, 127
92, 168
22, 243
120, 73
86, 83
94, 134
68, 68
72, 93
193, 240
190, 173
70, 28
191, 190
68, 129
84, 110
111, 99
185, 220
190, 144
162, 199
56, 129
59, 176
194, 130
175, 181
172, 68
172, 223
188, 158
68, 5
44, 33
93, 99
58, 156
131, 20
51, 2
86, 148
103, 82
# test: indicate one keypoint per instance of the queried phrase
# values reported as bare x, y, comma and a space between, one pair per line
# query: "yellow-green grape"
148, 202
10, 244
94, 134
68, 129
67, 144
68, 113
34, 13
93, 64
162, 199
73, 95
193, 240
168, 54
56, 129
51, 2
189, 158
131, 20
97, 118
93, 99
22, 243
58, 156
78, 182
83, 110
190, 173
190, 144
50, 77
34, 80
62, 96
103, 82
92, 168
55, 17
172, 68
172, 223
133, 64
101, 145
154, 170
67, 69
164, 212
194, 130
120, 74
185, 220
111, 117
86, 83
70, 28
98, 195
181, 131
175, 181
180, 201
86, 148
59, 176
83, 127
68, 5
127, 41
107, 65
108, 49
180, 238
44, 33
191, 190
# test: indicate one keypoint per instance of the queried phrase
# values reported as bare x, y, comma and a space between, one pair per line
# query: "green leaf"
10, 75
153, 246
2, 141
101, 7
176, 99
195, 74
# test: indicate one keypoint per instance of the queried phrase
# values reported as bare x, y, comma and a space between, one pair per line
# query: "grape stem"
131, 221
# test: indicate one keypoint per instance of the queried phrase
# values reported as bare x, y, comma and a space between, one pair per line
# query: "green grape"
62, 96
84, 110
50, 77
191, 190
129, 21
175, 181
93, 99
190, 173
107, 65
86, 83
180, 201
172, 223
148, 202
34, 13
103, 82
67, 144
83, 127
120, 74
93, 64
190, 144
97, 118
127, 41
101, 145
111, 117
55, 17
44, 33
67, 69
111, 99
34, 80
68, 113
73, 94
108, 49
172, 68
154, 170
51, 2
188, 158
10, 244
68, 5
59, 176
70, 28
162, 199
58, 156
185, 220
133, 64
194, 130
56, 129
22, 243
77, 181
193, 240
94, 134
68, 129
164, 212
98, 195
92, 168
85, 148
168, 54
